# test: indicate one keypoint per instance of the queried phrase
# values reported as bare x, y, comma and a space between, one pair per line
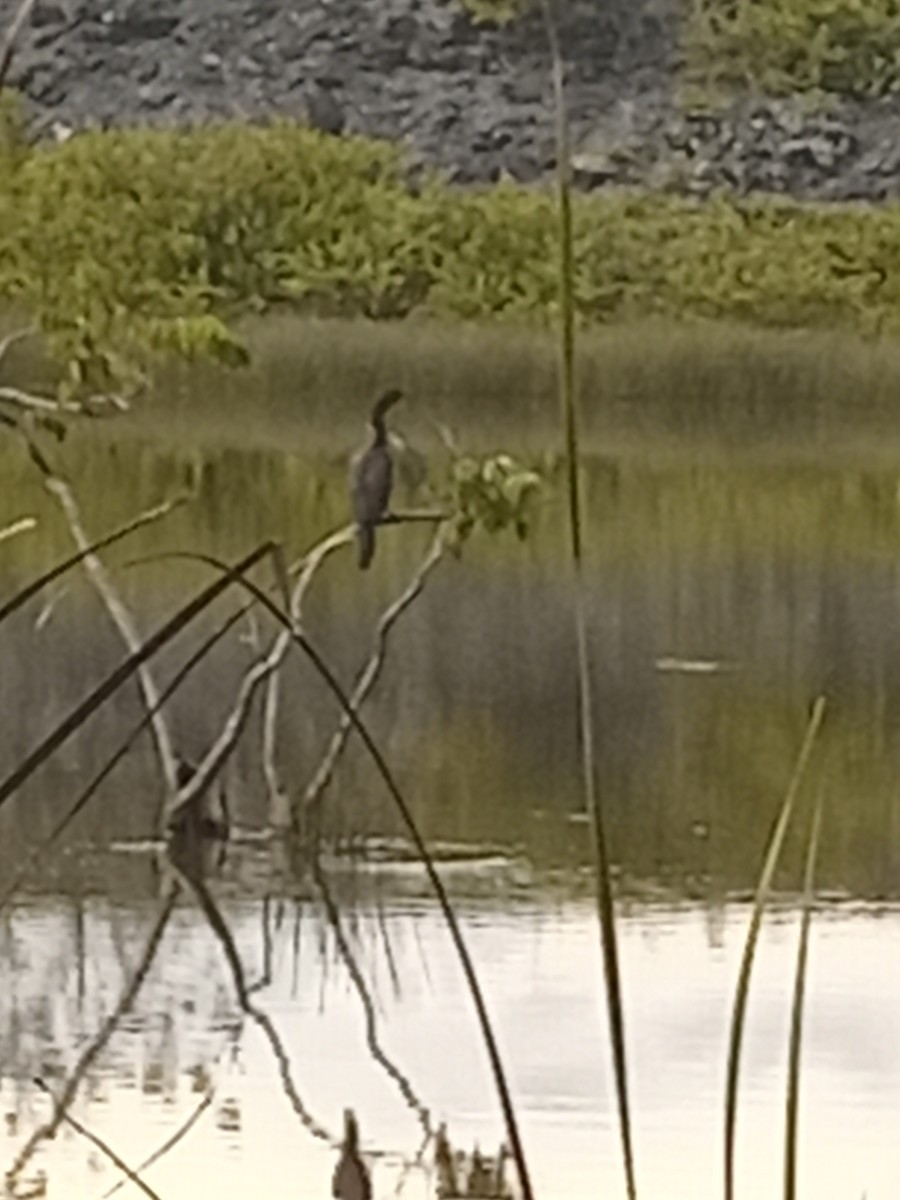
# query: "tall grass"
569, 418
793, 1087
763, 888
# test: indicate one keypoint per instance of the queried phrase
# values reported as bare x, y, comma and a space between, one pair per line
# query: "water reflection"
186, 1060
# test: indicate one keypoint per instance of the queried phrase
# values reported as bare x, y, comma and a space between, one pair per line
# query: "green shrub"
850, 47
132, 243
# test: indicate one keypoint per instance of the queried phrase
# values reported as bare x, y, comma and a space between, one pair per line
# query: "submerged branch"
133, 1176
98, 1043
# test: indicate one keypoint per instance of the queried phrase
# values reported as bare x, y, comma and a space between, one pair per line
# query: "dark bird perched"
371, 479
351, 1179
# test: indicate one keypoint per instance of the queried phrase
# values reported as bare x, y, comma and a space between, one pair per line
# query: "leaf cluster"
848, 47
494, 494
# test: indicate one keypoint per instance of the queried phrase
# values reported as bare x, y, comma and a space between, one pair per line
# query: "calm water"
781, 579
63, 968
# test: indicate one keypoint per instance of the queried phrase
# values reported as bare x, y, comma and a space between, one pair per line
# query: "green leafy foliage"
128, 245
494, 494
781, 46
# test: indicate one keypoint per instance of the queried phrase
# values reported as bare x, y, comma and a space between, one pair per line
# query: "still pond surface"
780, 580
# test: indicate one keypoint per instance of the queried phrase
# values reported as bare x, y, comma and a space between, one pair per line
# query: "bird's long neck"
379, 430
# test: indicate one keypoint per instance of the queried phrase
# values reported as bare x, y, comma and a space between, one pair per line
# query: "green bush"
131, 243
850, 47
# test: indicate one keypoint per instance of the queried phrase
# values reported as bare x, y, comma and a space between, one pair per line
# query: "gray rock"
473, 100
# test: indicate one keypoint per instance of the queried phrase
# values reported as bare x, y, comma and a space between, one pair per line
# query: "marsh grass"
640, 386
793, 1088
763, 890
569, 420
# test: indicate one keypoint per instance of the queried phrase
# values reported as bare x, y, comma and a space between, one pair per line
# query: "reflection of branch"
169, 1143
98, 1044
188, 872
133, 1176
369, 675
334, 918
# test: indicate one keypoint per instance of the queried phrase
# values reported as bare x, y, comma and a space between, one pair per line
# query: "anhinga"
371, 478
351, 1179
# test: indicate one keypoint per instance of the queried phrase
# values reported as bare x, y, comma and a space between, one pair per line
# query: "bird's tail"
366, 537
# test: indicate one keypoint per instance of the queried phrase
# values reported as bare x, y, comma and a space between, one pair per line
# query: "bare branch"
170, 1143
279, 803
100, 405
123, 1166
37, 585
23, 525
369, 675
30, 402
124, 622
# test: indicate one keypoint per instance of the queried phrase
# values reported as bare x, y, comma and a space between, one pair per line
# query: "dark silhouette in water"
371, 479
351, 1178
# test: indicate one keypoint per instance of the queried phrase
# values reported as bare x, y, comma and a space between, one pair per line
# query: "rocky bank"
472, 100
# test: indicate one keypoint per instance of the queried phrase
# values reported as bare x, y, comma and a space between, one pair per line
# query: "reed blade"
37, 585
124, 671
770, 862
302, 642
793, 1082
569, 416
